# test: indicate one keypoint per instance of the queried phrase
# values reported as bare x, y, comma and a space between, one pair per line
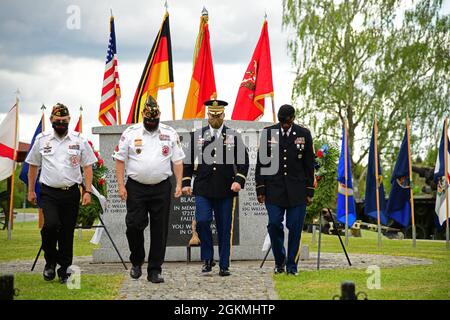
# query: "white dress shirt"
217, 131
60, 159
148, 155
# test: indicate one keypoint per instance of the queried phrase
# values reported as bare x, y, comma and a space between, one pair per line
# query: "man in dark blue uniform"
285, 183
220, 173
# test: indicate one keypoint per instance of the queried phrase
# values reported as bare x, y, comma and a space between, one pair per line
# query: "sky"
54, 51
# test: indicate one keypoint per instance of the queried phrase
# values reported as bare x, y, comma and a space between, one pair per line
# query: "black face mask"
151, 124
60, 127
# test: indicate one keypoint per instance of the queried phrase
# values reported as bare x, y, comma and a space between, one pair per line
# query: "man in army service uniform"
220, 174
285, 183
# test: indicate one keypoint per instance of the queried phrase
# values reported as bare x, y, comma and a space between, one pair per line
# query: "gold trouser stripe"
297, 256
242, 176
231, 230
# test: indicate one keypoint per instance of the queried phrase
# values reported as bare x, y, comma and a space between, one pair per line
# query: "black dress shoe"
136, 272
49, 272
155, 277
207, 267
292, 273
224, 272
64, 278
279, 269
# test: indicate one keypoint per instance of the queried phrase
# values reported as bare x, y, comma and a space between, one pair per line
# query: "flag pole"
80, 230
346, 181
273, 109
172, 93
81, 119
375, 126
446, 179
11, 197
41, 212
271, 97
118, 110
411, 198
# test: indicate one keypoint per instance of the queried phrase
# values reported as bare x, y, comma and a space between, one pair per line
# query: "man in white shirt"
60, 154
146, 152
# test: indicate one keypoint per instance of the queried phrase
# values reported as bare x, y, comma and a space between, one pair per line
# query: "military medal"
200, 142
137, 144
74, 147
300, 140
47, 148
164, 137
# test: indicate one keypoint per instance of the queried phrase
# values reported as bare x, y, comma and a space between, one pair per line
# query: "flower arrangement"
325, 166
88, 214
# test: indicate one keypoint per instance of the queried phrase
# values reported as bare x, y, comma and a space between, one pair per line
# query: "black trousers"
60, 209
144, 201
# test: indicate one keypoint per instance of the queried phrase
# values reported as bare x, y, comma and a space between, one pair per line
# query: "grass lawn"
25, 243
92, 287
26, 240
402, 283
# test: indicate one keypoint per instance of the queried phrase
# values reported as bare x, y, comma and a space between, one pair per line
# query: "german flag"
203, 85
157, 74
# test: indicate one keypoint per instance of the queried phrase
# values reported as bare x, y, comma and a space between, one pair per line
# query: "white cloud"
77, 81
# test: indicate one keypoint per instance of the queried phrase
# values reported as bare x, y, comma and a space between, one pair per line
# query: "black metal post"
114, 245
265, 257
37, 257
339, 236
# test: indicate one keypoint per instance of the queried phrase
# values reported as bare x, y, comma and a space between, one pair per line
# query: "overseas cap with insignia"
60, 110
151, 109
216, 107
286, 111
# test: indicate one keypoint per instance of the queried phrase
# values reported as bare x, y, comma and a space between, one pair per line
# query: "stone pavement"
185, 281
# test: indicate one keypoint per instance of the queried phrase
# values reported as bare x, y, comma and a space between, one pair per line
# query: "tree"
358, 58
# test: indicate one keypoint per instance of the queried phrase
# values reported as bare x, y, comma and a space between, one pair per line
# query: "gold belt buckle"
65, 188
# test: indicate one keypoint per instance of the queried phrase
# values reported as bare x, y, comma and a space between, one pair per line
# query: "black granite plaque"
182, 211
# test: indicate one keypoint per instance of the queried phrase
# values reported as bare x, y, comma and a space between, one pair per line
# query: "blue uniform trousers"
223, 213
295, 217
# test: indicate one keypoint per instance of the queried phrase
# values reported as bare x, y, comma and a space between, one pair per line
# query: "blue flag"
25, 167
398, 206
344, 186
372, 183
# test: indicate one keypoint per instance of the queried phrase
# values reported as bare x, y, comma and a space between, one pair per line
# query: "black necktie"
284, 135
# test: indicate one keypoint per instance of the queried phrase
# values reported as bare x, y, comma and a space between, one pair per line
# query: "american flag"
111, 89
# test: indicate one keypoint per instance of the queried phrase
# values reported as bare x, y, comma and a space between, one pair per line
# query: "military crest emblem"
165, 150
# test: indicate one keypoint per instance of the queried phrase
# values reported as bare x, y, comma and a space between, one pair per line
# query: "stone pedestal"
250, 223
